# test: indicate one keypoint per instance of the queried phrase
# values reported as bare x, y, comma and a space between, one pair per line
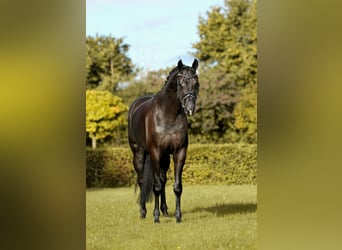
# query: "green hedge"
109, 167
205, 163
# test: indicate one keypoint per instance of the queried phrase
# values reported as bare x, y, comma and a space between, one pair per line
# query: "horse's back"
137, 104
136, 115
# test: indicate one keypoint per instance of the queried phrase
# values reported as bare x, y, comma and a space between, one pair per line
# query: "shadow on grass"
221, 210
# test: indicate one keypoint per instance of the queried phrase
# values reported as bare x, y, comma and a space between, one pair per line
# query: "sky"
159, 32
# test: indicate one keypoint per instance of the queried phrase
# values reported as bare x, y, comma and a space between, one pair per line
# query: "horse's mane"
173, 72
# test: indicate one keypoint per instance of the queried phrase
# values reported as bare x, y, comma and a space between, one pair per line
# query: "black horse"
158, 128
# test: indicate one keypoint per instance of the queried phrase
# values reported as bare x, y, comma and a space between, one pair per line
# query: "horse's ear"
195, 64
180, 64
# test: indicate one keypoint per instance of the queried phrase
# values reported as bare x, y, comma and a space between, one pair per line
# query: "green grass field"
214, 217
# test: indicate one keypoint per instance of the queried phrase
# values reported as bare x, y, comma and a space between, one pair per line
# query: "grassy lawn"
214, 217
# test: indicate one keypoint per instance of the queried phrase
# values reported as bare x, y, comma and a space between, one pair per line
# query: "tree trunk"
111, 68
93, 142
112, 76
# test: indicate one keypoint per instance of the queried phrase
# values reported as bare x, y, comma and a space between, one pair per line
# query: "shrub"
109, 167
223, 163
205, 163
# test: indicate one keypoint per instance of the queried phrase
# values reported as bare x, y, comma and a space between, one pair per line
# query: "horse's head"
187, 86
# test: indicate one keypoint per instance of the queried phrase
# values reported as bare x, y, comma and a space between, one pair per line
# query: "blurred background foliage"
227, 103
105, 115
107, 62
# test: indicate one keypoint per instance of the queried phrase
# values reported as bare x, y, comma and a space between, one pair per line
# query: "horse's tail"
147, 185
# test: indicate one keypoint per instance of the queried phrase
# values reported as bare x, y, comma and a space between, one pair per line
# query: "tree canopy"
228, 40
228, 48
105, 113
107, 62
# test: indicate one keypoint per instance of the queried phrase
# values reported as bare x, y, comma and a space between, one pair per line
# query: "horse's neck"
168, 97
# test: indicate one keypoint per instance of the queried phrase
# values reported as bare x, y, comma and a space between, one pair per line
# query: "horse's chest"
165, 129
171, 137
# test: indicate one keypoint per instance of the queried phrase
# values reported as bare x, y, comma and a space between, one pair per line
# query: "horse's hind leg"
139, 157
138, 162
157, 190
163, 206
165, 163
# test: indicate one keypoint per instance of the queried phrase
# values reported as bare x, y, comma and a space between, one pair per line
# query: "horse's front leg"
163, 205
179, 160
157, 186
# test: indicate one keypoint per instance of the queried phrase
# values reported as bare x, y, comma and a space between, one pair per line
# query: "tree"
227, 48
149, 82
107, 62
105, 113
228, 40
215, 106
244, 128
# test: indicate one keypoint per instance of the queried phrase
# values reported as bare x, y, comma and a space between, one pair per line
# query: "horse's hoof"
166, 214
156, 221
143, 213
178, 220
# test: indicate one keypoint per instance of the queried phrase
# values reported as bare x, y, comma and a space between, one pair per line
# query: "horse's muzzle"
189, 107
189, 103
